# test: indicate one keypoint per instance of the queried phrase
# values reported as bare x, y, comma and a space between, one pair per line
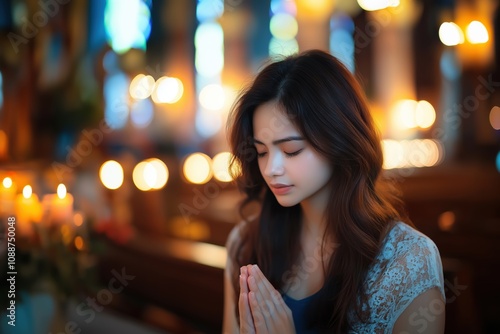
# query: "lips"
280, 189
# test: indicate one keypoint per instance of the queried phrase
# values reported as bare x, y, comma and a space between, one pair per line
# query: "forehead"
270, 123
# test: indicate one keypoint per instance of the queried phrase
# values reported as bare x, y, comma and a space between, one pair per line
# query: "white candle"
58, 207
28, 211
7, 197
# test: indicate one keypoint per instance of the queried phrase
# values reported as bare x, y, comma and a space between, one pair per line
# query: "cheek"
262, 165
317, 170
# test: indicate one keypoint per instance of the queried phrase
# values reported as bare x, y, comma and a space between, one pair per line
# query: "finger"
259, 321
243, 279
267, 289
266, 307
246, 320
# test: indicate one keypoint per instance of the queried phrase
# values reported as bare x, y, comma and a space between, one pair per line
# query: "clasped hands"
261, 307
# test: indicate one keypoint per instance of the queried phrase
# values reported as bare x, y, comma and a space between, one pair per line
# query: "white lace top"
407, 265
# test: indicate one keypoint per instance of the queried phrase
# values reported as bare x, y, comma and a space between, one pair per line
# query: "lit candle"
58, 207
7, 197
28, 210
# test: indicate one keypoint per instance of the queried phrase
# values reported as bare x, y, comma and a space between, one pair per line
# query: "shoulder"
409, 255
405, 243
408, 265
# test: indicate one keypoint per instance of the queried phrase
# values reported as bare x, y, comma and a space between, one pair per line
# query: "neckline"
302, 300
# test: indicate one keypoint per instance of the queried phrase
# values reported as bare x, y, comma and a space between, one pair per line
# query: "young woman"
325, 250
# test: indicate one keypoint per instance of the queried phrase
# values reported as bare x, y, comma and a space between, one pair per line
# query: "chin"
285, 202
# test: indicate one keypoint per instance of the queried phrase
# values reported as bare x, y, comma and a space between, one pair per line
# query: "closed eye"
292, 154
260, 155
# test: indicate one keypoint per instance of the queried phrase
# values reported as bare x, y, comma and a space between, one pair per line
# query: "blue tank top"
407, 265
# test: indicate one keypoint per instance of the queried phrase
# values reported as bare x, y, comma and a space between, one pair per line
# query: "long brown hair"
326, 104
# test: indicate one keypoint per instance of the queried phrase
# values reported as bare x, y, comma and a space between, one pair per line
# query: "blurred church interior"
114, 161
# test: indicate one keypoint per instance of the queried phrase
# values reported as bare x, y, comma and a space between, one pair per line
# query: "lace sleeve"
408, 265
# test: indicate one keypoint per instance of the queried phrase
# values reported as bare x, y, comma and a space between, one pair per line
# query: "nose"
274, 165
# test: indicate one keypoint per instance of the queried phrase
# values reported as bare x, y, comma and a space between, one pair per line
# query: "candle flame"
27, 191
61, 191
7, 182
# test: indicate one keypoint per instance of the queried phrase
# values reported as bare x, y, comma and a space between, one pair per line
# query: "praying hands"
262, 309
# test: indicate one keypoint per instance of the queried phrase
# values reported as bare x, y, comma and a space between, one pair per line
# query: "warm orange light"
7, 182
425, 115
198, 168
141, 86
446, 220
78, 219
27, 191
4, 142
79, 244
411, 153
495, 117
111, 174
61, 191
167, 90
371, 5
450, 34
477, 33
220, 167
315, 9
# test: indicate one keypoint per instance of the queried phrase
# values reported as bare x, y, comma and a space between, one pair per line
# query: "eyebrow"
279, 141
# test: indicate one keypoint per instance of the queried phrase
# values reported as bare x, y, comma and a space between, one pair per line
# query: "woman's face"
292, 169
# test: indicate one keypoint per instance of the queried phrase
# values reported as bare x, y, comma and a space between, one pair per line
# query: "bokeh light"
446, 221
140, 176
450, 34
409, 114
425, 115
7, 182
476, 33
212, 97
393, 153
111, 174
78, 219
127, 24
141, 86
198, 168
151, 174
209, 43
315, 9
404, 114
411, 153
161, 172
220, 167
167, 90
79, 243
371, 5
495, 117
283, 26
283, 6
27, 191
209, 9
